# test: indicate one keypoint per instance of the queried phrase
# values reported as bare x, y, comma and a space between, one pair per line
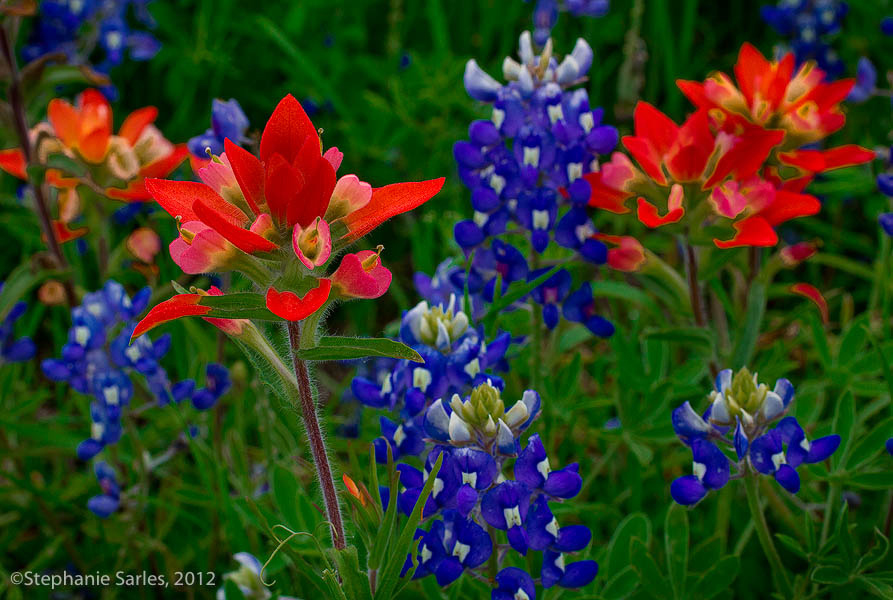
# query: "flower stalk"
17, 104
782, 581
315, 437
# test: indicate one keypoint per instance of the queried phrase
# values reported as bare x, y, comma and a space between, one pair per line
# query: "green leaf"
750, 329
243, 305
232, 591
877, 553
882, 480
829, 574
820, 337
792, 545
634, 526
285, 491
66, 164
354, 581
347, 348
652, 579
692, 336
853, 342
621, 585
875, 586
515, 292
718, 578
19, 283
676, 542
870, 445
844, 418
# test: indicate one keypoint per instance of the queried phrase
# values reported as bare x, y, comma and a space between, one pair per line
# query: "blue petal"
579, 574
822, 448
687, 490
479, 84
573, 538
787, 476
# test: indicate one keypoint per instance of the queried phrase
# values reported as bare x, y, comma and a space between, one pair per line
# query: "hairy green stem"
782, 580
17, 104
315, 437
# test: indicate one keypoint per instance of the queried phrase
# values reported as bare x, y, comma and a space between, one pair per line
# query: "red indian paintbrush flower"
118, 163
282, 219
682, 167
769, 94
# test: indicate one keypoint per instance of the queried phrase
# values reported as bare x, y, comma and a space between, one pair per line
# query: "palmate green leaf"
348, 348
676, 541
829, 574
718, 578
652, 580
875, 586
231, 591
882, 480
621, 585
876, 554
870, 444
635, 526
791, 544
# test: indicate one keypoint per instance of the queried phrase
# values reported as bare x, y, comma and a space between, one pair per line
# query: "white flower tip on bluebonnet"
505, 440
511, 69
490, 427
568, 71
248, 561
525, 82
421, 378
459, 430
456, 403
691, 419
582, 53
415, 318
785, 390
438, 419
479, 84
724, 380
720, 410
517, 414
531, 400
459, 325
443, 336
772, 406
525, 48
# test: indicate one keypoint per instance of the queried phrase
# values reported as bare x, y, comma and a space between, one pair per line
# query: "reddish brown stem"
17, 105
317, 443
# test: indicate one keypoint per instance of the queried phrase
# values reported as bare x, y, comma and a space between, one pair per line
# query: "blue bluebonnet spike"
513, 584
477, 471
108, 502
740, 440
14, 349
809, 27
711, 472
688, 424
479, 84
463, 545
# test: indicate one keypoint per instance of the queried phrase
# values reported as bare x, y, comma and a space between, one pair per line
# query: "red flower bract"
292, 307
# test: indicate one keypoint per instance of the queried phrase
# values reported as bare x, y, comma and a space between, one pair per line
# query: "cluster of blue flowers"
545, 14
745, 408
885, 185
79, 28
228, 120
456, 359
809, 24
14, 349
99, 360
472, 492
525, 167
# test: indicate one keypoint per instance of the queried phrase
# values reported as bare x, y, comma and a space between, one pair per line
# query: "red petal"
134, 192
655, 127
292, 307
648, 215
249, 173
752, 231
747, 155
647, 157
178, 197
750, 69
243, 239
604, 196
13, 162
65, 234
818, 161
313, 199
283, 182
694, 91
181, 305
389, 201
165, 165
789, 205
804, 289
286, 130
135, 122
65, 121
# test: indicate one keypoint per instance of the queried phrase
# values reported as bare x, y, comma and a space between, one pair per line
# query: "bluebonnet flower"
99, 360
885, 185
887, 25
77, 28
580, 307
545, 14
456, 358
890, 446
745, 408
477, 437
866, 81
109, 500
808, 25
247, 579
14, 349
525, 168
227, 121
513, 584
